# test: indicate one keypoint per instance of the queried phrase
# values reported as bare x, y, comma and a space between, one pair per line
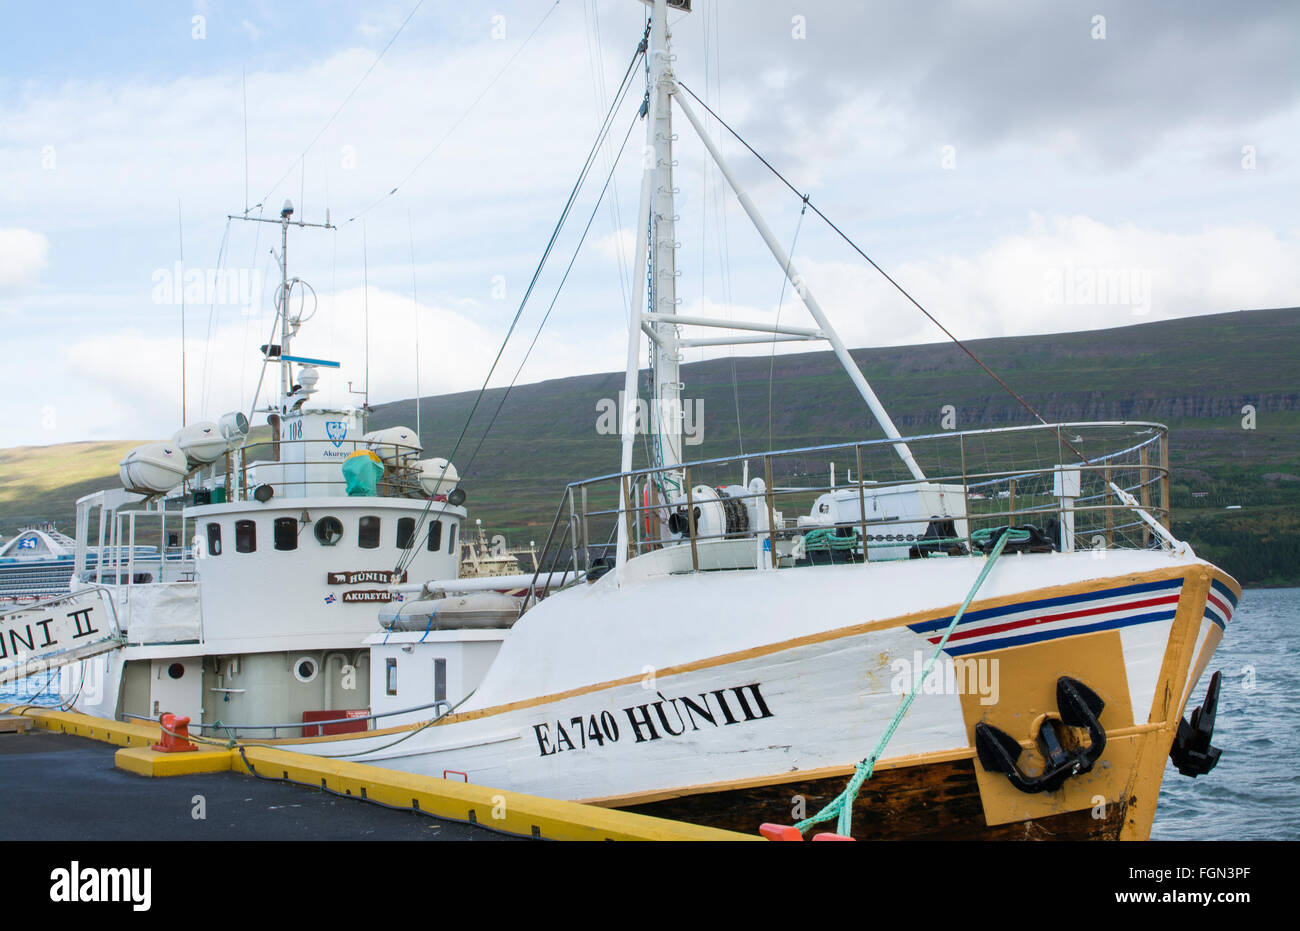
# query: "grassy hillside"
1195, 375
44, 482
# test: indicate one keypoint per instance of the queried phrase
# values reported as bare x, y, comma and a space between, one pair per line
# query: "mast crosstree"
656, 225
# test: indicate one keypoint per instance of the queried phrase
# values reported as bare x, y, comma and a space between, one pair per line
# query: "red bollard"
827, 835
175, 735
780, 832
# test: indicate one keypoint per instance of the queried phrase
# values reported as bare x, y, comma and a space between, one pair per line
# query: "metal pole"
1166, 506
634, 327
771, 512
666, 412
690, 521
284, 310
832, 337
862, 505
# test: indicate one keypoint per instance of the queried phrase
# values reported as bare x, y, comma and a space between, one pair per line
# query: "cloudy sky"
996, 157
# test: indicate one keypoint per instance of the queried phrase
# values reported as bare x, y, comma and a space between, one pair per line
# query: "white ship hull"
691, 687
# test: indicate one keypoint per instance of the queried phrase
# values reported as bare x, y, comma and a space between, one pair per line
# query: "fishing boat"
980, 634
481, 557
232, 580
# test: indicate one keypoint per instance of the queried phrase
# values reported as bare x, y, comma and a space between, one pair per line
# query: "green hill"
1193, 374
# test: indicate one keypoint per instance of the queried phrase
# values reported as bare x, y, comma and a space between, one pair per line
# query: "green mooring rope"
842, 804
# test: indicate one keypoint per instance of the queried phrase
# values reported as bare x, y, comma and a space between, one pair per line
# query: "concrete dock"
59, 787
64, 780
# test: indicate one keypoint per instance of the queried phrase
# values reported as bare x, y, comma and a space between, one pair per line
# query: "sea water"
1254, 792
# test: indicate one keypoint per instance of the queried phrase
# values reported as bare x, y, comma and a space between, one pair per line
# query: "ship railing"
1095, 485
439, 707
303, 468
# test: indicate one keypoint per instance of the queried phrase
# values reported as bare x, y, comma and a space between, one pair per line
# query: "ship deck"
58, 787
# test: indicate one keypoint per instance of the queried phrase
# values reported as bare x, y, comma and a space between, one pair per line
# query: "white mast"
287, 327
666, 412
286, 380
656, 227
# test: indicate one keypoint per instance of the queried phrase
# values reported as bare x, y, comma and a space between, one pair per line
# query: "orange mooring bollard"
827, 835
175, 735
780, 832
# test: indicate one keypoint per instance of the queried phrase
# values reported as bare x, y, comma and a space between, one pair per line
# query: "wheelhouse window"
329, 531
245, 536
214, 539
368, 533
390, 675
286, 533
451, 538
405, 532
435, 536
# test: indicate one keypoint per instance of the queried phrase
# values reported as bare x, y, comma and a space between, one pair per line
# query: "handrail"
218, 725
1113, 477
828, 447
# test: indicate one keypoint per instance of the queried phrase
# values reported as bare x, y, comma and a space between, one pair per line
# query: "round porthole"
329, 531
304, 670
176, 670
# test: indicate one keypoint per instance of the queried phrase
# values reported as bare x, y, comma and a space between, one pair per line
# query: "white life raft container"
437, 477
153, 468
477, 611
393, 443
201, 442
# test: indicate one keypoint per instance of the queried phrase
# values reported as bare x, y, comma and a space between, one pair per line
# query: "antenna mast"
284, 221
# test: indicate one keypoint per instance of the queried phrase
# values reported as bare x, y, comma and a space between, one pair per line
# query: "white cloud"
22, 256
455, 354
858, 132
1038, 281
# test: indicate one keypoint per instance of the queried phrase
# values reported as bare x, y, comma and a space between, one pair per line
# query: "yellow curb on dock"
498, 809
121, 733
145, 762
513, 812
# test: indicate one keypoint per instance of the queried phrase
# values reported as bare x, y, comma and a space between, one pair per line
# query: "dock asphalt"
56, 787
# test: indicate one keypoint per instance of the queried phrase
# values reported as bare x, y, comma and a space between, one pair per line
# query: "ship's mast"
287, 327
656, 227
666, 414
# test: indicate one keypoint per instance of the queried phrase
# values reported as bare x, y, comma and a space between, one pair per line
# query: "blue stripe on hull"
1065, 600
1224, 592
999, 643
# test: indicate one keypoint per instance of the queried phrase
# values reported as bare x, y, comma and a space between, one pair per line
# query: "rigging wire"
339, 109
243, 369
460, 119
408, 554
206, 373
785, 279
577, 249
616, 220
720, 205
415, 309
898, 287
